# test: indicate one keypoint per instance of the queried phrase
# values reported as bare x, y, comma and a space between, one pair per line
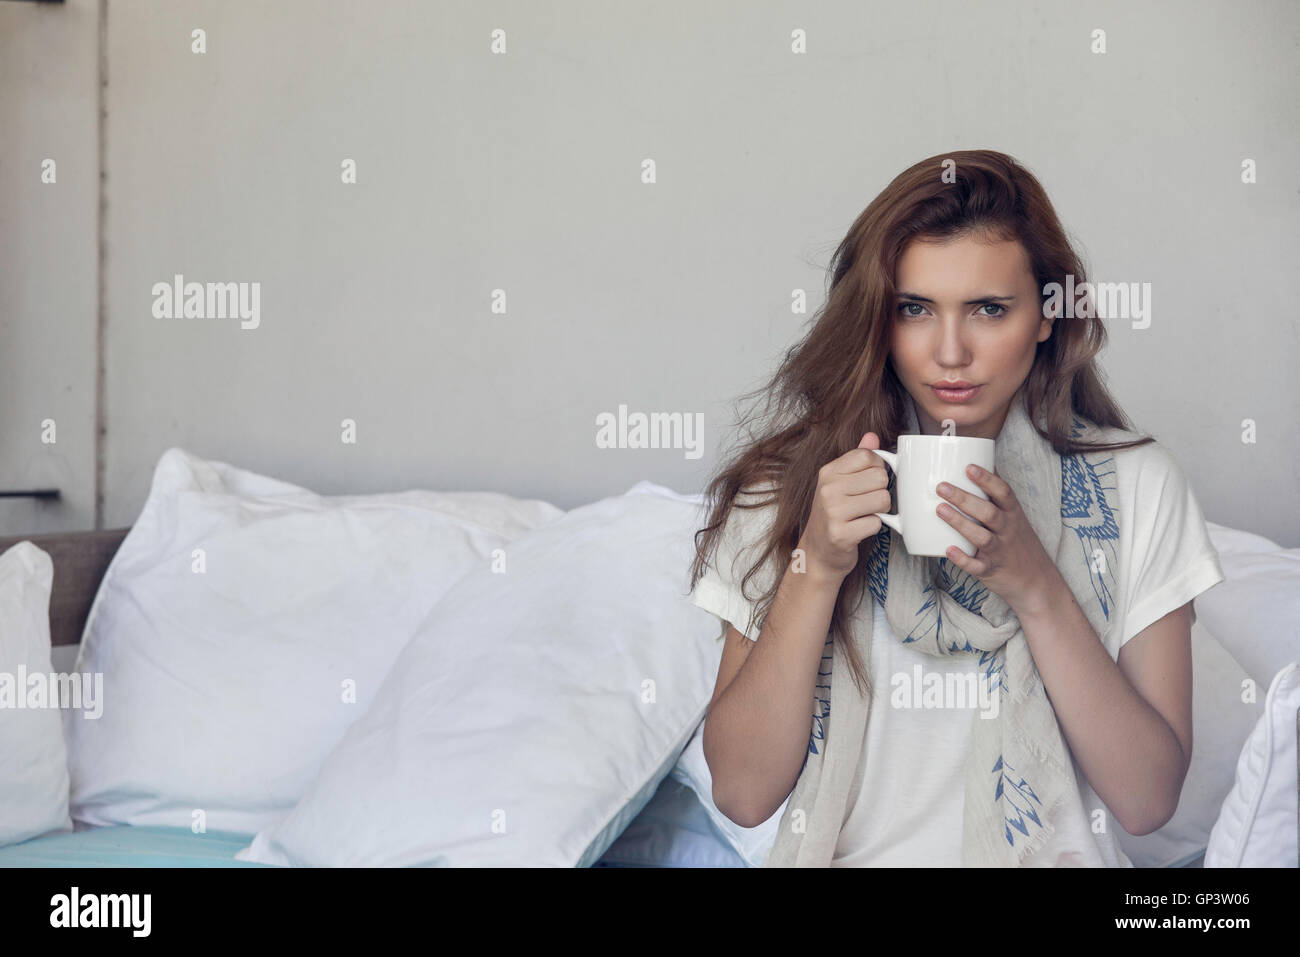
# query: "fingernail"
944, 488
973, 470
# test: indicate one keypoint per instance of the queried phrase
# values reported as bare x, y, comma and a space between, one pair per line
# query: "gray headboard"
80, 560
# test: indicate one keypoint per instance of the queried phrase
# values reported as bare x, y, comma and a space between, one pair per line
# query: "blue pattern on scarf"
822, 697
1015, 794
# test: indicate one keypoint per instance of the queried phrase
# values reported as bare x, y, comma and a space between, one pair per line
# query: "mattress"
124, 846
672, 830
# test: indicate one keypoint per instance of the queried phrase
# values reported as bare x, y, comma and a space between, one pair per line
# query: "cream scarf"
1019, 780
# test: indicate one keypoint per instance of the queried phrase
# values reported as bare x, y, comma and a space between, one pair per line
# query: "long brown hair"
838, 382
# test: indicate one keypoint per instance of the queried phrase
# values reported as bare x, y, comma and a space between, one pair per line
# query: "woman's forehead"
963, 268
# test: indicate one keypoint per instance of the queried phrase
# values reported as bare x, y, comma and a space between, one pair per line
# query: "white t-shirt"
906, 809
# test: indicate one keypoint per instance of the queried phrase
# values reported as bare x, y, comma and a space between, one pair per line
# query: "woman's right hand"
850, 489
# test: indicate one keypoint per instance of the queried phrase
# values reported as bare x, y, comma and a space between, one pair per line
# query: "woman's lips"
956, 395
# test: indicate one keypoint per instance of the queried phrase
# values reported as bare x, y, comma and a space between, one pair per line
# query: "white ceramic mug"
920, 464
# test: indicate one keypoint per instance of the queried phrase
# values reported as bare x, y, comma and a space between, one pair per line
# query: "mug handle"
893, 521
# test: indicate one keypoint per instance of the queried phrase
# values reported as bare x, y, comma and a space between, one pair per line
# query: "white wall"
522, 172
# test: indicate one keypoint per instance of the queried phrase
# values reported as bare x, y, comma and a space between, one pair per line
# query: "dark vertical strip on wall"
101, 308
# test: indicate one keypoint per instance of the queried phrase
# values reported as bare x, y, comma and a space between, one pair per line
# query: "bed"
662, 821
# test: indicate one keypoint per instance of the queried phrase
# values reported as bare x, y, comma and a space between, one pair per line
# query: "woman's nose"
951, 348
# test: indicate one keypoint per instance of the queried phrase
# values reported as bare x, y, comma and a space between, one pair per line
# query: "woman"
1075, 610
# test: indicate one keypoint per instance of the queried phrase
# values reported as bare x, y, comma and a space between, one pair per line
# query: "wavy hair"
838, 383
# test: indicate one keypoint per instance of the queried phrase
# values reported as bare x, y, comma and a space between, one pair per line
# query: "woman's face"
967, 309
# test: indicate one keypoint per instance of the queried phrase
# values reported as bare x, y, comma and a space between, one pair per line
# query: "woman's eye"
903, 307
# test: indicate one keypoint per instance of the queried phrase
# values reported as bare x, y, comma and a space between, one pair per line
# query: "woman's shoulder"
1146, 459
1150, 464
743, 537
755, 502
753, 513
1148, 478
749, 517
1157, 498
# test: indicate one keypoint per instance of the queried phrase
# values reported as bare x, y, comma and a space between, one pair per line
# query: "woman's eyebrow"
968, 302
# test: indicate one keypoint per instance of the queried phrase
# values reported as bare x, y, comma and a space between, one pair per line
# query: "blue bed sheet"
672, 830
129, 847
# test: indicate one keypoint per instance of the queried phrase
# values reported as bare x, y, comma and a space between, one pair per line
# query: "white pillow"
1253, 611
225, 689
33, 760
1236, 541
1257, 826
535, 712
1221, 723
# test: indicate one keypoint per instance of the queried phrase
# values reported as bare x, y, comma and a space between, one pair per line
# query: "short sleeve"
1171, 558
743, 539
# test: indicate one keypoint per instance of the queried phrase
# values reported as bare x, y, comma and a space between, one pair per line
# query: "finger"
859, 506
864, 525
967, 563
863, 457
999, 491
975, 533
870, 479
977, 508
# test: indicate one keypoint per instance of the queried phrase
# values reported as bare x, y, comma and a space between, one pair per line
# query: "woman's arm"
757, 727
1129, 725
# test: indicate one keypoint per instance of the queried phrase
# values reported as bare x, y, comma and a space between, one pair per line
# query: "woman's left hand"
1009, 557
